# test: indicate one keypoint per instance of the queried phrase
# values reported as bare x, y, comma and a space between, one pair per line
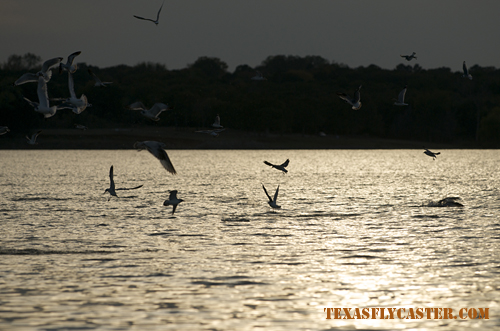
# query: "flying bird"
157, 16
466, 72
32, 140
78, 105
172, 201
355, 101
216, 123
272, 202
401, 98
279, 166
431, 154
46, 72
409, 57
157, 149
98, 82
213, 133
69, 66
42, 106
4, 130
112, 190
153, 113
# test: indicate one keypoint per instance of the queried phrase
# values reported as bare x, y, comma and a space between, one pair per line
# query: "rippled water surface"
355, 230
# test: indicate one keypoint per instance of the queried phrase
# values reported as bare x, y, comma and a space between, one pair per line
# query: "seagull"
401, 98
466, 72
98, 82
4, 130
258, 76
152, 113
73, 103
157, 16
213, 133
280, 166
32, 140
42, 106
354, 102
172, 200
431, 154
69, 66
46, 72
217, 122
409, 57
157, 149
272, 202
111, 190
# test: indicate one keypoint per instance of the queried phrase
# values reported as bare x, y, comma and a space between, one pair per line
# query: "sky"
443, 33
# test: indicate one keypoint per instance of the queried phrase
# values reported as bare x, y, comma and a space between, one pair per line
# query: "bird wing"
285, 164
32, 104
173, 195
165, 161
97, 80
217, 121
111, 181
49, 64
43, 96
269, 163
159, 11
174, 207
137, 106
130, 188
401, 96
26, 78
357, 95
271, 200
157, 109
466, 71
276, 194
156, 148
344, 97
71, 85
142, 18
72, 56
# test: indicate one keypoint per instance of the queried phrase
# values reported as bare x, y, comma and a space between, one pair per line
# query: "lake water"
355, 230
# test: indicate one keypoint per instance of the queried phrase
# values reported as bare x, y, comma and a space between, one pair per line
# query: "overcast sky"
443, 33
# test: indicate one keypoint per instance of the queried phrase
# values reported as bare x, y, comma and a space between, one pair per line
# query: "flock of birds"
157, 149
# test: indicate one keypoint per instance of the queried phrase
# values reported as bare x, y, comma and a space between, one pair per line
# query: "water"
355, 230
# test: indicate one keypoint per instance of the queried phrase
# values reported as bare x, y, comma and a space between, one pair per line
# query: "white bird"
355, 101
213, 133
153, 113
272, 202
32, 140
73, 103
466, 72
258, 76
279, 166
69, 66
157, 149
46, 72
172, 200
4, 130
98, 82
43, 106
112, 190
409, 57
217, 122
401, 98
157, 16
431, 154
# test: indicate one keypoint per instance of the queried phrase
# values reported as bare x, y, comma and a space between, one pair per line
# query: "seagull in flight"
431, 154
112, 190
272, 202
217, 122
466, 72
355, 101
98, 82
73, 103
172, 200
46, 72
4, 130
32, 140
42, 106
69, 66
279, 166
401, 98
157, 16
409, 57
157, 149
153, 113
213, 133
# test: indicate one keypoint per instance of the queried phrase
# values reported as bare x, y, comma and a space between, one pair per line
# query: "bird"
450, 202
280, 166
431, 154
46, 72
272, 202
32, 140
258, 76
4, 130
409, 57
466, 72
213, 133
112, 190
42, 106
216, 123
401, 98
172, 200
73, 103
355, 101
69, 66
157, 16
153, 113
157, 149
98, 82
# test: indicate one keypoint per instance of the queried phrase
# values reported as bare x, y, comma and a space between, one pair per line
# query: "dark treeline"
299, 96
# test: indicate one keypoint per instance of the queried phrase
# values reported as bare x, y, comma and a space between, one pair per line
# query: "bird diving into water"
157, 16
172, 201
112, 190
355, 102
272, 202
279, 166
